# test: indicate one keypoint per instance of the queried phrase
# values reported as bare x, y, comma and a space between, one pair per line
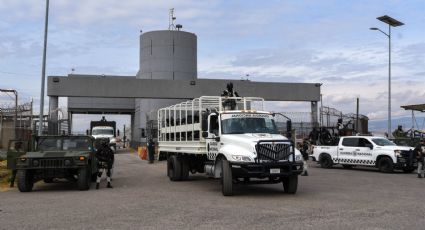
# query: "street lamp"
43, 71
394, 23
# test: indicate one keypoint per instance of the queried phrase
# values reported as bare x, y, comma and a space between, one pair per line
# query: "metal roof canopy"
417, 107
130, 87
390, 21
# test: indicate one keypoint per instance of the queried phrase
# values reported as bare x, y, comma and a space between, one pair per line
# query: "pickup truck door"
363, 153
213, 136
347, 150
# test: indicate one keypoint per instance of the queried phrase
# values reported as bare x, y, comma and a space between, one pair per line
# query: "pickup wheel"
84, 179
290, 184
25, 180
385, 165
174, 168
326, 161
226, 178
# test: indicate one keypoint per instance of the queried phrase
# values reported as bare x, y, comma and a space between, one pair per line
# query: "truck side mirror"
288, 129
87, 132
204, 134
118, 132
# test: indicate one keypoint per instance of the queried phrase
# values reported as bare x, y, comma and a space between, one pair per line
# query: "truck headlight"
298, 157
397, 153
241, 158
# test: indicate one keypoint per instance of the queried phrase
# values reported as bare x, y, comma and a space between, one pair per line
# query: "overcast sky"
285, 41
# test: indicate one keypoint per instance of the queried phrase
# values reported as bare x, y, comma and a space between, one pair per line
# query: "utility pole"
43, 71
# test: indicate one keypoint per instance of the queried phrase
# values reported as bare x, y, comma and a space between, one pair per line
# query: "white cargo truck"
369, 151
226, 138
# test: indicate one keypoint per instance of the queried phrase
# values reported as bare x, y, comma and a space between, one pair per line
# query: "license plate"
274, 171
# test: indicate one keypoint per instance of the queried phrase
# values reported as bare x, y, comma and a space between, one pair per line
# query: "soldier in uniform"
151, 150
105, 157
399, 133
420, 155
304, 153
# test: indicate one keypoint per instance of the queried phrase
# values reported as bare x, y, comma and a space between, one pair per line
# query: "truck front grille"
273, 152
51, 163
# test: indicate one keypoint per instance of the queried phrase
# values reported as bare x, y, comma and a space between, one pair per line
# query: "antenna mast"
171, 19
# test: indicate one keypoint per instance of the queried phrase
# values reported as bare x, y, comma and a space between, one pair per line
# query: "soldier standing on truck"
420, 155
105, 157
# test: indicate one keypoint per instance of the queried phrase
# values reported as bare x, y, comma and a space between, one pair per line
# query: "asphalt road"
144, 198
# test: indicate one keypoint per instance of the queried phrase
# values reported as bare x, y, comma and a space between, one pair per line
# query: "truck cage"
183, 121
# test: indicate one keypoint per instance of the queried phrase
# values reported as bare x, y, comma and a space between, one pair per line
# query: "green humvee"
49, 157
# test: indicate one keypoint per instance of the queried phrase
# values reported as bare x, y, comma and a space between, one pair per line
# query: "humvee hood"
53, 154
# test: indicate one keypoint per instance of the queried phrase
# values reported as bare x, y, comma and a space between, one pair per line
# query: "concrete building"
167, 75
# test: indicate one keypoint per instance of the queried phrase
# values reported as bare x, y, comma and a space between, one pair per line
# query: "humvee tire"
84, 179
25, 180
290, 184
226, 178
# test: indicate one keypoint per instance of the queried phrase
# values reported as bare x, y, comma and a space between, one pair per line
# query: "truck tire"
185, 168
25, 180
84, 179
226, 178
290, 184
326, 161
174, 168
385, 165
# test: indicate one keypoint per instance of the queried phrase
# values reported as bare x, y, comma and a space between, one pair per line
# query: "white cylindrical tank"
164, 54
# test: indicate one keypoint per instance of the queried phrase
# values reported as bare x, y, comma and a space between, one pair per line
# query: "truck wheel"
84, 177
226, 178
385, 165
25, 180
174, 168
326, 161
290, 184
185, 168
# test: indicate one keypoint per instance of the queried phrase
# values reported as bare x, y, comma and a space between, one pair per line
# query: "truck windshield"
382, 142
248, 123
61, 144
102, 132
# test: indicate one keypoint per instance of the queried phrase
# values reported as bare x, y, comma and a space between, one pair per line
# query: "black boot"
97, 185
109, 185
419, 175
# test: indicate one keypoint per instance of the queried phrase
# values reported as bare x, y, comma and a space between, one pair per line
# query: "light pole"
43, 71
394, 23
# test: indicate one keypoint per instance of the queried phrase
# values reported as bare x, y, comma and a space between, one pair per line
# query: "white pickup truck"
366, 151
